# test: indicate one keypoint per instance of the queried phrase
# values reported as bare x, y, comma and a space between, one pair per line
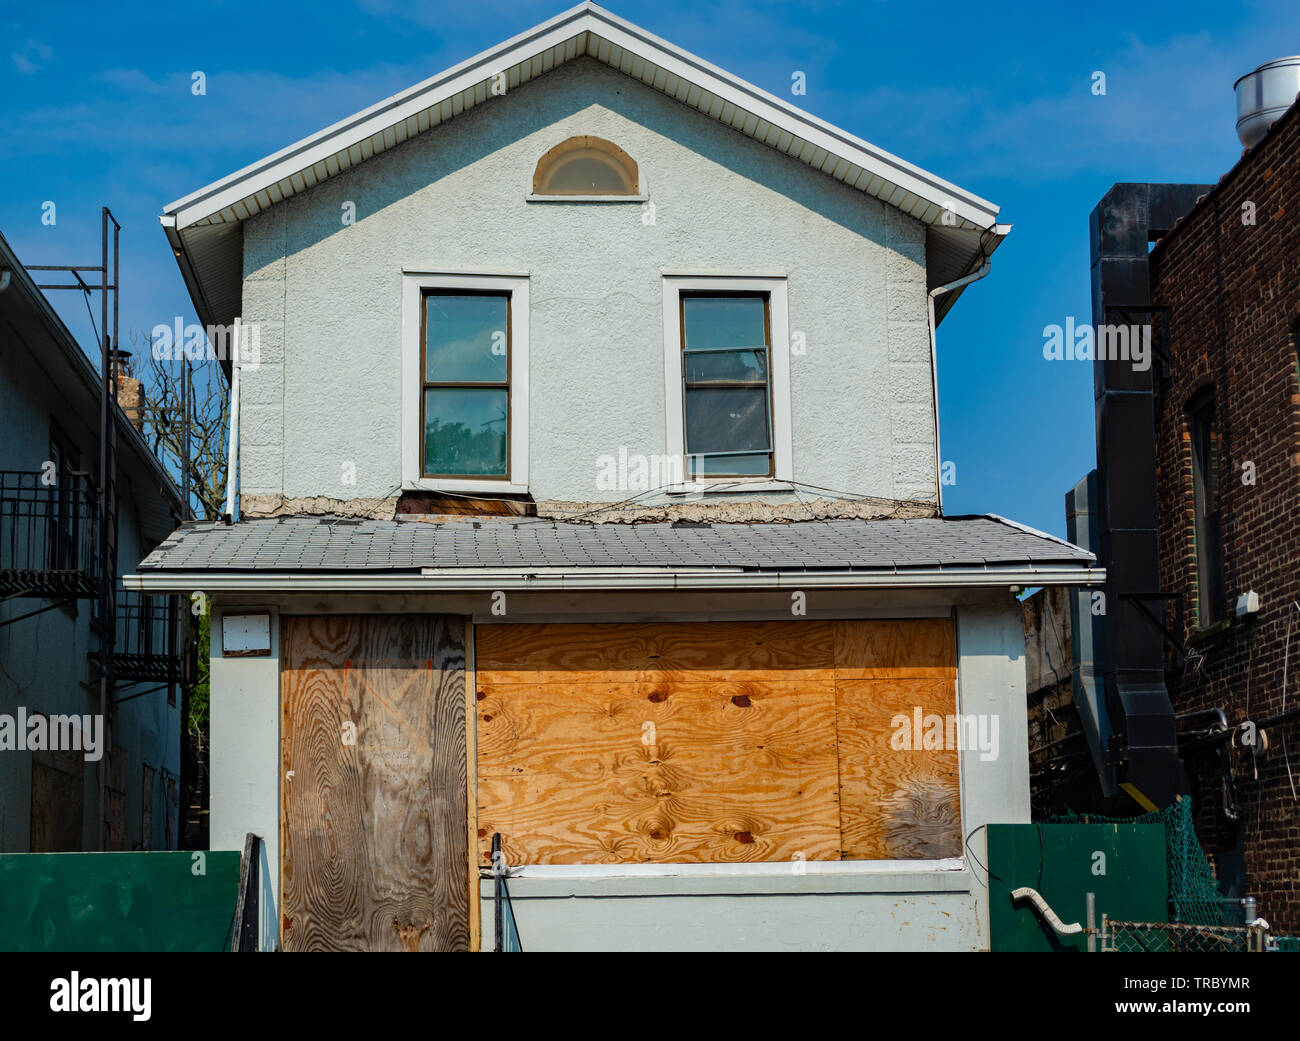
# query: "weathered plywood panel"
897, 648
374, 788
702, 651
899, 799
660, 743
713, 742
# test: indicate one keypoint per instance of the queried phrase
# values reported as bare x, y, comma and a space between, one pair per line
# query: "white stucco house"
589, 503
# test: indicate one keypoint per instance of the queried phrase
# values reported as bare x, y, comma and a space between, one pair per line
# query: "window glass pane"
587, 175
465, 338
756, 465
738, 366
723, 321
465, 431
731, 420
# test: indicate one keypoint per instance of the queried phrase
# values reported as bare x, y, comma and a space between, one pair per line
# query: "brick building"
1227, 417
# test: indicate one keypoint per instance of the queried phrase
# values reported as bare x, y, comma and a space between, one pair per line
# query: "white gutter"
1001, 230
468, 580
232, 452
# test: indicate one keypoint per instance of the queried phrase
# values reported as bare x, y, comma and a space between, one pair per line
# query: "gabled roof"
204, 227
433, 552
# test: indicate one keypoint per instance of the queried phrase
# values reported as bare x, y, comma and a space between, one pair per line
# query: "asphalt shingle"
316, 544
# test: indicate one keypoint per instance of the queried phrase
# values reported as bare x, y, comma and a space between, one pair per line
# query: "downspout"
232, 451
947, 287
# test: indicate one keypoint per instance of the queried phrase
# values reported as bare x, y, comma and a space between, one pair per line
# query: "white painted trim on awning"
454, 580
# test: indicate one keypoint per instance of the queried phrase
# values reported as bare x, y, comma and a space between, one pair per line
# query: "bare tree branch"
209, 415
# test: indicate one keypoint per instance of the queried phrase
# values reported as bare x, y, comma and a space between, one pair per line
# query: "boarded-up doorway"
373, 782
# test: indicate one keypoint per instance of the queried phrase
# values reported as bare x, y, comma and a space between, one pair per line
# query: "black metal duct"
1144, 746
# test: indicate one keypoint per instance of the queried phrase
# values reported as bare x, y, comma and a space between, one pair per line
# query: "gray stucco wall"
43, 659
838, 906
327, 298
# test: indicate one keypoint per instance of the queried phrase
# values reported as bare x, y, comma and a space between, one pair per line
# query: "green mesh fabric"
1193, 891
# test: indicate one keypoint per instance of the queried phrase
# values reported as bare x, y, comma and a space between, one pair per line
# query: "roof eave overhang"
586, 29
466, 580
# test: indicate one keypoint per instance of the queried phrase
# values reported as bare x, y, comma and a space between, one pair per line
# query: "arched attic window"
586, 166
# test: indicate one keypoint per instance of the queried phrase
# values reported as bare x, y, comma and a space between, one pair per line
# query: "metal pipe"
232, 451
105, 484
934, 366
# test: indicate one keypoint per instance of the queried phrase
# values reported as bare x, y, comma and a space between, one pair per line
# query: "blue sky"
97, 108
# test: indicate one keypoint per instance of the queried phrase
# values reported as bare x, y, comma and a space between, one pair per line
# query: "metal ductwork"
1143, 747
1263, 95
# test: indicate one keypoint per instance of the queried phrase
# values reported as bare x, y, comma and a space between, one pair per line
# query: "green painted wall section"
1060, 861
117, 901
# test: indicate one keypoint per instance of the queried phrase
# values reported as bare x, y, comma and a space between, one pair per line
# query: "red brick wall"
1233, 290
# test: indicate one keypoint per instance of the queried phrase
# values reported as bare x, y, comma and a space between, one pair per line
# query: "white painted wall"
244, 762
327, 298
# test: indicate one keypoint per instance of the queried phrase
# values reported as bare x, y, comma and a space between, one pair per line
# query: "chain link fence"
1184, 937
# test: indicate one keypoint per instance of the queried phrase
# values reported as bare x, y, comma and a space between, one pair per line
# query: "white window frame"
414, 283
779, 377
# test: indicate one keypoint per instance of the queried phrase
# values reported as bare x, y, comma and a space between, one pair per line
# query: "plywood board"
712, 742
657, 743
374, 785
899, 795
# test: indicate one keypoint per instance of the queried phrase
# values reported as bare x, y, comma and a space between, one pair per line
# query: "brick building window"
1206, 454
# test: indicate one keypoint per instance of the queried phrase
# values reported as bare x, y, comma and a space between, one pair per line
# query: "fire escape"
59, 537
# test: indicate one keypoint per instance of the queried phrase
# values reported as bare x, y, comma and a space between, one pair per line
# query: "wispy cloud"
32, 58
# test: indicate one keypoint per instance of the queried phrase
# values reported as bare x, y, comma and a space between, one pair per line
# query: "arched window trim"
622, 164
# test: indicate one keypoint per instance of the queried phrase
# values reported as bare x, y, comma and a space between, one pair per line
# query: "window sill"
784, 878
730, 486
451, 484
1207, 633
587, 198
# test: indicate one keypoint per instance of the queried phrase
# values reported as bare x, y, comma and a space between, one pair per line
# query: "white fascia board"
619, 33
356, 128
785, 116
519, 579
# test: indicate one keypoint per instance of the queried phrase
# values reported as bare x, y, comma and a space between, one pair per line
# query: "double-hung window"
727, 373
465, 382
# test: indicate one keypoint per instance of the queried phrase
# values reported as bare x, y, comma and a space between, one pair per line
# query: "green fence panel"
1123, 864
177, 901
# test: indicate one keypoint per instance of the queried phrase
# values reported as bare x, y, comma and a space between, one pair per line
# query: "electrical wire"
1286, 650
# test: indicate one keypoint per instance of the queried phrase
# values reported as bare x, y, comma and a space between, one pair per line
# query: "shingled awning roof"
453, 551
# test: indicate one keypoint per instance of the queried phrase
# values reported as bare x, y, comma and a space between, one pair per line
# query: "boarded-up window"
58, 796
720, 741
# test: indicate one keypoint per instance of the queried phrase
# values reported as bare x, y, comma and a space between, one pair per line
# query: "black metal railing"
150, 632
507, 930
48, 535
